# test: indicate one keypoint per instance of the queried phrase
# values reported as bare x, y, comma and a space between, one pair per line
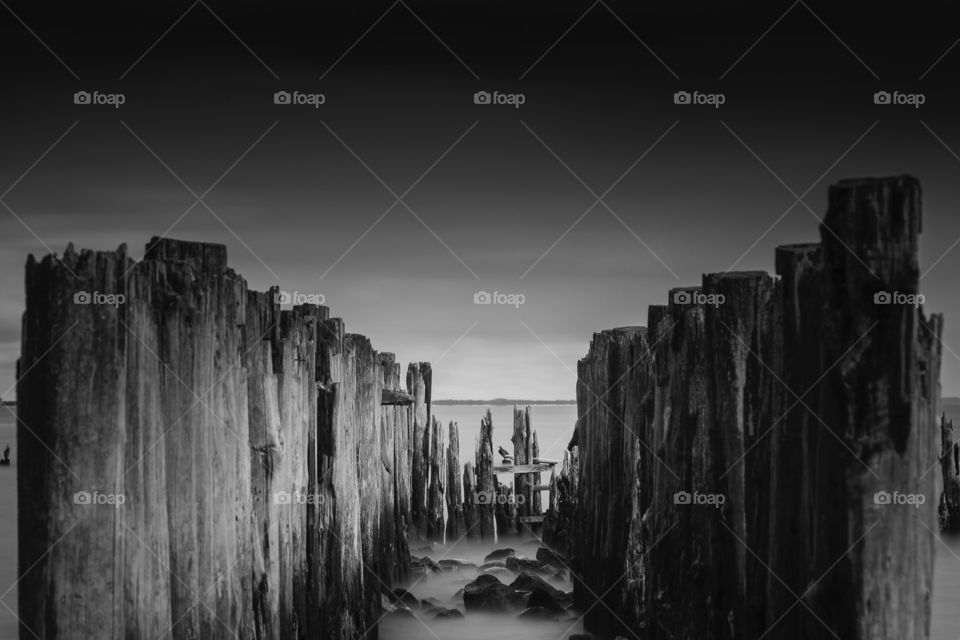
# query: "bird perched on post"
506, 455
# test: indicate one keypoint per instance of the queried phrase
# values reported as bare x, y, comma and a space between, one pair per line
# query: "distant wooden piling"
536, 507
522, 454
558, 525
419, 382
756, 436
395, 470
456, 525
486, 491
471, 515
505, 509
436, 492
949, 509
264, 485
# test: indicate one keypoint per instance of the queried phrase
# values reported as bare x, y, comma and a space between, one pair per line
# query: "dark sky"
296, 192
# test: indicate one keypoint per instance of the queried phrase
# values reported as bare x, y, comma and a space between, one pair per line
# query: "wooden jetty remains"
204, 464
741, 456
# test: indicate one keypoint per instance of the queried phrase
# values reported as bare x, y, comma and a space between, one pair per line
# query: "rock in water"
499, 554
487, 593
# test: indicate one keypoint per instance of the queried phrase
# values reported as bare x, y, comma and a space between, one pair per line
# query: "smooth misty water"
554, 427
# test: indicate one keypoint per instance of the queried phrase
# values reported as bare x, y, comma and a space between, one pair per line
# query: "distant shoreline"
498, 402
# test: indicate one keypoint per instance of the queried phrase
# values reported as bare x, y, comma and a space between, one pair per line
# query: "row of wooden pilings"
200, 463
759, 461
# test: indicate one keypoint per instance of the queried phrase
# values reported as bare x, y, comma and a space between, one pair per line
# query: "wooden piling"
436, 492
419, 378
751, 436
471, 515
258, 469
949, 508
522, 455
485, 495
456, 526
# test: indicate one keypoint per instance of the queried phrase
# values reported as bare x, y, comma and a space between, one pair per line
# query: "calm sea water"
554, 425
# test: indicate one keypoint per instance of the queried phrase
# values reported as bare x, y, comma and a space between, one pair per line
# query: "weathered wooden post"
455, 496
770, 437
471, 516
437, 451
505, 509
949, 509
419, 377
203, 463
486, 491
523, 455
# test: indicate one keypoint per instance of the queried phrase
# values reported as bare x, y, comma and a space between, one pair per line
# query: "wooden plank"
393, 397
531, 519
522, 468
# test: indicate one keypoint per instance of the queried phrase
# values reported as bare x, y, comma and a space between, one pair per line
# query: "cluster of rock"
506, 583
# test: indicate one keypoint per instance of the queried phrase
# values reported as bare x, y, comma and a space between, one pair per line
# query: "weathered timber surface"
523, 469
523, 455
485, 487
456, 526
266, 491
436, 499
746, 449
419, 383
504, 509
394, 440
396, 397
949, 509
537, 503
471, 516
558, 525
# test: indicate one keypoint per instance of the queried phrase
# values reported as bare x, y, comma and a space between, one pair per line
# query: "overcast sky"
502, 196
